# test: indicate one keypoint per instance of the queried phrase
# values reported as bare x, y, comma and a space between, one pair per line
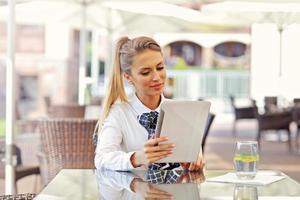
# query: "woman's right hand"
154, 149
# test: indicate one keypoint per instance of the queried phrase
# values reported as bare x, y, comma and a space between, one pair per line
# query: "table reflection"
166, 184
79, 184
242, 192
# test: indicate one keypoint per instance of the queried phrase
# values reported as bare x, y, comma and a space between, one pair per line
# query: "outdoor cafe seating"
21, 170
26, 165
278, 118
241, 113
65, 143
275, 121
61, 122
275, 118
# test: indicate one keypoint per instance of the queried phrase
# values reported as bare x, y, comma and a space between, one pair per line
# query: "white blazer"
121, 135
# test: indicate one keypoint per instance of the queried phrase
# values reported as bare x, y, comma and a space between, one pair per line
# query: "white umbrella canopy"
98, 12
65, 11
167, 15
280, 12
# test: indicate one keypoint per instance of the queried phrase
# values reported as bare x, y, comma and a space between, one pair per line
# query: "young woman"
125, 139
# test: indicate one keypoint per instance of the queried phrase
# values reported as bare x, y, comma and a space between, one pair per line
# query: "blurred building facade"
47, 62
200, 65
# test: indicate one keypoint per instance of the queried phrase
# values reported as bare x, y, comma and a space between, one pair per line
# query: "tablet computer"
183, 122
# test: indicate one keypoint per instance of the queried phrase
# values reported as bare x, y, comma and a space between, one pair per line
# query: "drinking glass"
245, 159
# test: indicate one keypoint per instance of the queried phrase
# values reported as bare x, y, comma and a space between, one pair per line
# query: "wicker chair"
18, 197
66, 143
66, 111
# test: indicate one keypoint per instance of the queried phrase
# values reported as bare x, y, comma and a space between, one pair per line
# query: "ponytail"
115, 89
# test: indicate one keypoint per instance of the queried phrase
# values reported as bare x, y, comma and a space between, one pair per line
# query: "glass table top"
104, 184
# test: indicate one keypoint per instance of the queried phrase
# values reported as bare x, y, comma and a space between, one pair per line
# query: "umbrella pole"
82, 58
95, 62
280, 30
108, 61
10, 100
280, 90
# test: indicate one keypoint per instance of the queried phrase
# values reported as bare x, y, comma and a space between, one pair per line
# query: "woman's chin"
159, 92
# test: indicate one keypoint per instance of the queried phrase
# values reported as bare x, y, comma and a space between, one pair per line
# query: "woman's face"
148, 73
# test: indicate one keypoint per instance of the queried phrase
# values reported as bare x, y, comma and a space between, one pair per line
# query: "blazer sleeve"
108, 153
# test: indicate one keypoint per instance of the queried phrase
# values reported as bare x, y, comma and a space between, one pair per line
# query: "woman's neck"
151, 102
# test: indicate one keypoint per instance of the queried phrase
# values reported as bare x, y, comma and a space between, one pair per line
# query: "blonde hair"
126, 50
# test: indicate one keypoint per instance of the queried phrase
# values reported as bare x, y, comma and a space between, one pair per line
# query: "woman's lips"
157, 86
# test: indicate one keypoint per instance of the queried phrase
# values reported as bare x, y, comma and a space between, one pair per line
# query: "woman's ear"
127, 77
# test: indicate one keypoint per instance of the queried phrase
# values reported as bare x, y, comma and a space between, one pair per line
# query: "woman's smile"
157, 86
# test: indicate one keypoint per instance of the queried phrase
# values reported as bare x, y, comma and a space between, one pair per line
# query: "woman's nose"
156, 76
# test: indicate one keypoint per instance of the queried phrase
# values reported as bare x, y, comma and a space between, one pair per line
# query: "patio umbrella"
10, 97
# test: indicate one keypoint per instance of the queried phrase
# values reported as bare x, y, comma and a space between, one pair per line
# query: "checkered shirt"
163, 176
149, 121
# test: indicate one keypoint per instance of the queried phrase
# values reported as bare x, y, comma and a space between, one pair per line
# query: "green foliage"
88, 94
181, 64
2, 128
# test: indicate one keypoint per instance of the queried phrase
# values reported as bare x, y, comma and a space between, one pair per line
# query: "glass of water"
245, 159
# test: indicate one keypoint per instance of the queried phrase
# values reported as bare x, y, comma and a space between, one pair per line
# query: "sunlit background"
212, 50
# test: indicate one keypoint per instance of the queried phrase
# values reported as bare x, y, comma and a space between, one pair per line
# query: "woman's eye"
145, 73
160, 67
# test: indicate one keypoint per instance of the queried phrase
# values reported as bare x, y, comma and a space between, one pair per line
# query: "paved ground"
219, 153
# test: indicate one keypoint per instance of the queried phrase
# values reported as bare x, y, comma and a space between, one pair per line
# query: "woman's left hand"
196, 166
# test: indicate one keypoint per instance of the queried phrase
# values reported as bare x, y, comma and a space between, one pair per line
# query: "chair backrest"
270, 103
248, 112
296, 102
210, 120
66, 111
274, 121
67, 143
296, 115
